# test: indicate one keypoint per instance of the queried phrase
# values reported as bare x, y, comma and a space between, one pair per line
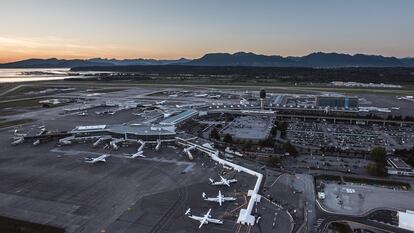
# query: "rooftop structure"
337, 101
406, 220
356, 84
176, 119
399, 167
399, 163
148, 132
249, 127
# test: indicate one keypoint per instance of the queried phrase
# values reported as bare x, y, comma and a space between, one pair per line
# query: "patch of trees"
400, 118
282, 126
379, 154
397, 75
214, 134
379, 168
289, 148
228, 138
337, 227
273, 160
404, 152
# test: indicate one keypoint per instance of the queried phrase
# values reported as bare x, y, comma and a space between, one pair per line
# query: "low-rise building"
397, 166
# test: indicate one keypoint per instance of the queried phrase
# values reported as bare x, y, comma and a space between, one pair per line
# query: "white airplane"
223, 181
17, 141
36, 143
101, 158
139, 153
114, 143
42, 131
16, 134
220, 198
204, 219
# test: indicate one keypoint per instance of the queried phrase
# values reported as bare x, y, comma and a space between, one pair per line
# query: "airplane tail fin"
188, 212
204, 195
211, 180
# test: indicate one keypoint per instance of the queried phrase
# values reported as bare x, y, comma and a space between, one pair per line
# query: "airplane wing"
208, 212
204, 219
202, 222
101, 158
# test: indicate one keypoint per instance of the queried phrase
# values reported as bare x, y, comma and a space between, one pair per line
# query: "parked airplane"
101, 158
36, 143
42, 131
136, 155
223, 181
204, 219
114, 143
16, 134
220, 198
17, 141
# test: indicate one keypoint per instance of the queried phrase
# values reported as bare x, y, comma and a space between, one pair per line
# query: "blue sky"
191, 28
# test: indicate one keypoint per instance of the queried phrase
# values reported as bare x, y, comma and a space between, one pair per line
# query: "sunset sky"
190, 28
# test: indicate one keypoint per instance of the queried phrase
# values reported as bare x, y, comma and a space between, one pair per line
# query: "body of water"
27, 75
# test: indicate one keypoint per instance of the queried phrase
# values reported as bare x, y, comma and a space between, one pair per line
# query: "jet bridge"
245, 215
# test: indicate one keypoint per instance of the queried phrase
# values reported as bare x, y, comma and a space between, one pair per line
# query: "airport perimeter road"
325, 220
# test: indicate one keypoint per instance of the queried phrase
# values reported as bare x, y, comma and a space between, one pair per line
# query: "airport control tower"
262, 98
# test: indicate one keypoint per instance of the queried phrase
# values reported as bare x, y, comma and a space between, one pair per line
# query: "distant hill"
313, 60
140, 61
52, 63
242, 59
345, 60
409, 61
61, 63
316, 60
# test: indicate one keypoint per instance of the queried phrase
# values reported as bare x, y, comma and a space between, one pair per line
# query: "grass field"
272, 86
4, 124
24, 103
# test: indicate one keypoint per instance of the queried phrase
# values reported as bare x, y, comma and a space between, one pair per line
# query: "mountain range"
315, 60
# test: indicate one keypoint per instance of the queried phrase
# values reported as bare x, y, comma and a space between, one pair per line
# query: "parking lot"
350, 136
249, 127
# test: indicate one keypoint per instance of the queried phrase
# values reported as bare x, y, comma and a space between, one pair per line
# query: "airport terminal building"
143, 132
338, 101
